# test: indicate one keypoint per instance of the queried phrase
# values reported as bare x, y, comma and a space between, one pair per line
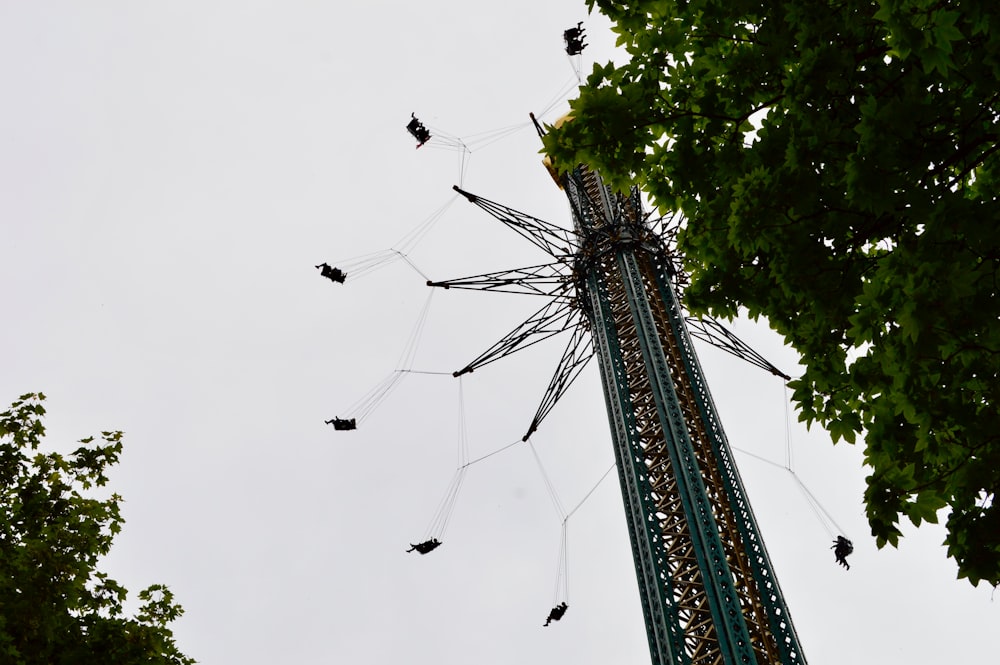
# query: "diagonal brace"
553, 239
550, 320
713, 332
550, 279
578, 353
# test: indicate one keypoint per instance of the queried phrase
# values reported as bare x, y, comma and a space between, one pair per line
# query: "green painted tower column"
708, 592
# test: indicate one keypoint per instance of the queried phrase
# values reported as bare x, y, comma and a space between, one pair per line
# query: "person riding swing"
556, 613
425, 547
842, 548
574, 39
417, 129
343, 423
331, 273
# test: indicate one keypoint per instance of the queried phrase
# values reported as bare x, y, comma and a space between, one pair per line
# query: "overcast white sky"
170, 173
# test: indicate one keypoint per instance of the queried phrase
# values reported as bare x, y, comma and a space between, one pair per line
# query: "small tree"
55, 606
837, 165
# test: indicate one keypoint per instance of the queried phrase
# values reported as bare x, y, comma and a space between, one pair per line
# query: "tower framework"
708, 590
709, 594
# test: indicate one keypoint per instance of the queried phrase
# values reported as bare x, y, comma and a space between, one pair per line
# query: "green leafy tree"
55, 606
836, 163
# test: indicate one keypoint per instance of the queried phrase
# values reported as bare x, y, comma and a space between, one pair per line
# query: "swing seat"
417, 129
344, 424
427, 546
574, 40
335, 274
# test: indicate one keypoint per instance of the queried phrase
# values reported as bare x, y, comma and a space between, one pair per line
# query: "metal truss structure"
708, 591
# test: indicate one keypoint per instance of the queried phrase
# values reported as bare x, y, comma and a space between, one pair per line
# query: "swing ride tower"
708, 591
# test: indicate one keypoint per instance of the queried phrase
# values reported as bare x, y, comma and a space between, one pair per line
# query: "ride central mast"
708, 591
709, 594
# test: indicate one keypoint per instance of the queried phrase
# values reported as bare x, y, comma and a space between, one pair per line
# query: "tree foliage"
55, 606
836, 163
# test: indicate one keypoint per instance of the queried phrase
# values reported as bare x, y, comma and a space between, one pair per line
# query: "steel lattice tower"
708, 591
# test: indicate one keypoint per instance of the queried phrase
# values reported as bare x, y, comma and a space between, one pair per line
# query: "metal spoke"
550, 320
555, 240
711, 331
578, 353
549, 279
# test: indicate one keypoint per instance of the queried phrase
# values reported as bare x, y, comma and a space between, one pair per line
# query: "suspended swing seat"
574, 39
842, 548
556, 613
417, 129
343, 423
425, 547
331, 273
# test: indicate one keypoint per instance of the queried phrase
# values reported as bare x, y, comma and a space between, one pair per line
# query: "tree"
836, 163
55, 606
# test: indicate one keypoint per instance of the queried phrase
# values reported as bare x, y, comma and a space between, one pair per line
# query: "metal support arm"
713, 332
553, 239
578, 353
549, 279
550, 320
